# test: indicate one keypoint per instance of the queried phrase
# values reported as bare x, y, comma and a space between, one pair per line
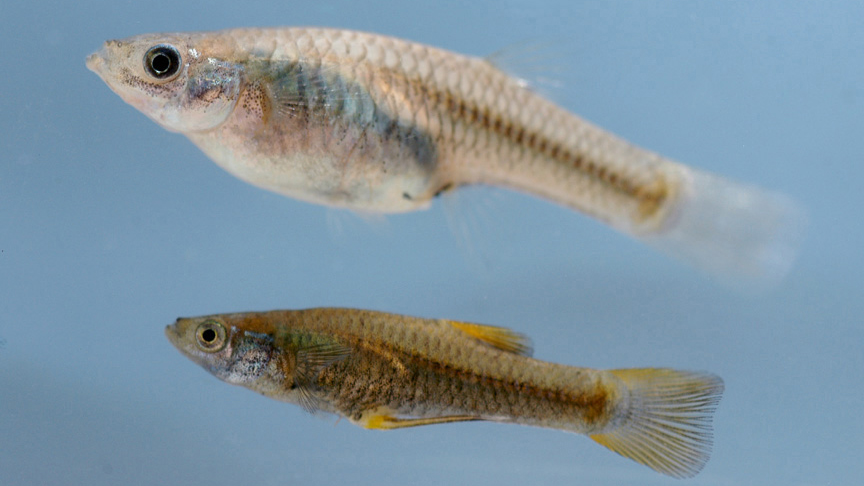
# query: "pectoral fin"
311, 360
497, 337
298, 88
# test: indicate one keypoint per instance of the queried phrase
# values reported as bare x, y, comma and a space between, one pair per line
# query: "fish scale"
377, 124
373, 123
388, 371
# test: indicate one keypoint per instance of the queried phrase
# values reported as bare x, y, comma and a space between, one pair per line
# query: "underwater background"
111, 228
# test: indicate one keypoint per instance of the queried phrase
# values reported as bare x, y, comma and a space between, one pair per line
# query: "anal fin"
388, 422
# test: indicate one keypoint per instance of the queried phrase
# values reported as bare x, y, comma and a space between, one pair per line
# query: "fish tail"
667, 423
739, 233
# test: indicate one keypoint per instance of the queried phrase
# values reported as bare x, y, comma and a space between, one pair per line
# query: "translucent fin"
497, 337
668, 424
469, 211
344, 225
311, 360
533, 64
741, 234
302, 87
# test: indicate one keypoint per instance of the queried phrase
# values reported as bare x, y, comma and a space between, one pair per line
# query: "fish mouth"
173, 333
96, 63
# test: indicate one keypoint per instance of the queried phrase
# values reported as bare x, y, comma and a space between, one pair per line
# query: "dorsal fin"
497, 337
536, 66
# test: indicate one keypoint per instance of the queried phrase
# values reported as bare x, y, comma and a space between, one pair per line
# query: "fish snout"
172, 332
96, 62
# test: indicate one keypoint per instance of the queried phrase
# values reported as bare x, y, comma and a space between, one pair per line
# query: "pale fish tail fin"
667, 423
742, 234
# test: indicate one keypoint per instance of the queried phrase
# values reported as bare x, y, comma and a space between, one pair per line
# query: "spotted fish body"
377, 124
386, 371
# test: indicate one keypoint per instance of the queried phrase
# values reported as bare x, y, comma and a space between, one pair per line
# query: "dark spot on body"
594, 405
472, 115
391, 129
520, 134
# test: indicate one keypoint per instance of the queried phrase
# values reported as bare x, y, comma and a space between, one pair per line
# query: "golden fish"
387, 371
378, 124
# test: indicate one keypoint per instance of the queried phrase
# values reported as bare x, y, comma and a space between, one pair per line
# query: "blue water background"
111, 227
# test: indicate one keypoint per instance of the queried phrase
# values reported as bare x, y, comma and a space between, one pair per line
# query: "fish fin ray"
746, 237
304, 86
311, 360
668, 424
388, 422
469, 211
532, 64
497, 337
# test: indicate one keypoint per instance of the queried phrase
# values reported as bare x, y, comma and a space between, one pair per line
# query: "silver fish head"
184, 82
206, 341
233, 355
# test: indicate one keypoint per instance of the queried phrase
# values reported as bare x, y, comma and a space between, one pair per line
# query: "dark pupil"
160, 63
209, 335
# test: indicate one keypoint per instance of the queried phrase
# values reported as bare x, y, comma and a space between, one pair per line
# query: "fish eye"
162, 61
211, 336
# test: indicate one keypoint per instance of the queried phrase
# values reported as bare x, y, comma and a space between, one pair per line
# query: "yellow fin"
387, 422
497, 337
668, 424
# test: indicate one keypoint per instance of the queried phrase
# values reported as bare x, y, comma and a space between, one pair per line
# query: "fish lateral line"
389, 371
375, 124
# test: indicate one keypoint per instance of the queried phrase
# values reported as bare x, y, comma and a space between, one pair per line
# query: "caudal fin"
739, 233
668, 423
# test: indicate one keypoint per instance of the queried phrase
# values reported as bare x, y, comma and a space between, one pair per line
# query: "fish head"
204, 340
233, 355
184, 82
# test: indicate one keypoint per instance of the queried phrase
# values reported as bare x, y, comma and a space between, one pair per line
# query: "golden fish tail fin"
667, 426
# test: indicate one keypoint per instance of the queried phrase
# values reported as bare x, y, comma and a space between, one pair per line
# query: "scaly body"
374, 123
389, 371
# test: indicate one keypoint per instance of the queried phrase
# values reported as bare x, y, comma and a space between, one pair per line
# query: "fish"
376, 124
388, 371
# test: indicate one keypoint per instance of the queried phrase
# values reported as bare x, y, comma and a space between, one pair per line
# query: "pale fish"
377, 124
387, 371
